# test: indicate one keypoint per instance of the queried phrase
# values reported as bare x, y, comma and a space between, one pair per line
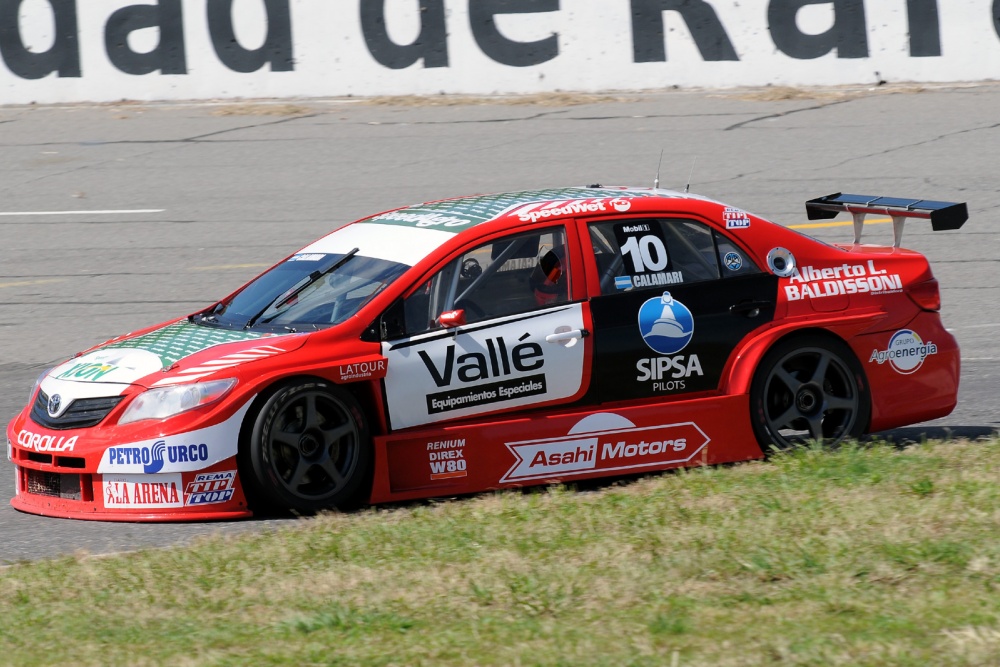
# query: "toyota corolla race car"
492, 342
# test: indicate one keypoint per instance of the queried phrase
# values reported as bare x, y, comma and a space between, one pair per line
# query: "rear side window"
732, 260
653, 253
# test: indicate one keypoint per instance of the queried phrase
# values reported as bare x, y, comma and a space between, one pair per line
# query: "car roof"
407, 235
463, 212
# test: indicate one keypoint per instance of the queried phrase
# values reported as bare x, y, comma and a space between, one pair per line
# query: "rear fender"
738, 374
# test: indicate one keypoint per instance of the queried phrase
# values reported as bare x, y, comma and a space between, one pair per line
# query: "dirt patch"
790, 93
539, 99
261, 109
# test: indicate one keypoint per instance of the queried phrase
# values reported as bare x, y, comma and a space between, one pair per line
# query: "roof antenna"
656, 181
687, 188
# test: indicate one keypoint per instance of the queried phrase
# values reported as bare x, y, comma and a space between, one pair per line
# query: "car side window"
650, 253
732, 259
506, 276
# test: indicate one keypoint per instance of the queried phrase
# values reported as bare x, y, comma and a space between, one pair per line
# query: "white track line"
105, 212
992, 325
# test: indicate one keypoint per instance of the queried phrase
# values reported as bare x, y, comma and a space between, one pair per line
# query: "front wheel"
808, 389
310, 447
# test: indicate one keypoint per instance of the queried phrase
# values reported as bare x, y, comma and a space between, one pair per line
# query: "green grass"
858, 556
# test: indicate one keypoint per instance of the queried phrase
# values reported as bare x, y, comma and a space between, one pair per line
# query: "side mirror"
452, 318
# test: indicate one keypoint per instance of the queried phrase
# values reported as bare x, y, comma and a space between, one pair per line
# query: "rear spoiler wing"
942, 214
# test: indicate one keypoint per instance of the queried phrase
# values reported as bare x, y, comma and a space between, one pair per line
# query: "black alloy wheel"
809, 389
310, 448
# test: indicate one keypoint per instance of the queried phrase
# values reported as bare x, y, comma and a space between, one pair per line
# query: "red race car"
498, 341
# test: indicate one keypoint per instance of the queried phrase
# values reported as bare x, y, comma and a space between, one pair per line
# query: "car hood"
173, 354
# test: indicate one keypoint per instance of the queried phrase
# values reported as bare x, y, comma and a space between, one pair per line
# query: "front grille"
53, 484
81, 413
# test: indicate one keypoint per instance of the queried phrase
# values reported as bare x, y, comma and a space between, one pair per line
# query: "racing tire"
310, 448
809, 389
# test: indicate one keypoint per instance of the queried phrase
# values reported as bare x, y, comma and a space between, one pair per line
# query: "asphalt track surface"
197, 199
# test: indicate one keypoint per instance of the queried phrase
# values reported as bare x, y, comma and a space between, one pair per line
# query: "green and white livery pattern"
181, 339
410, 234
125, 361
457, 214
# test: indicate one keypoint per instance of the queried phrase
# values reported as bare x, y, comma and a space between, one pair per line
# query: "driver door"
494, 329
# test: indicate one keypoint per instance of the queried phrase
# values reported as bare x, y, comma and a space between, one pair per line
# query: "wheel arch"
254, 494
747, 360
366, 397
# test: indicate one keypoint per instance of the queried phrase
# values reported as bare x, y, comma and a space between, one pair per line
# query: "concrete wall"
106, 50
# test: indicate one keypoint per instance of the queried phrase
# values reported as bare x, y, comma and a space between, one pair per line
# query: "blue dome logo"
665, 324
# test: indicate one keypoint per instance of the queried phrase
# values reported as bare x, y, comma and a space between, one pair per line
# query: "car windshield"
306, 292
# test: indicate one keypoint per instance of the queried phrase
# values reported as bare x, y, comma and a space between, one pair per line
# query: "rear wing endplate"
942, 214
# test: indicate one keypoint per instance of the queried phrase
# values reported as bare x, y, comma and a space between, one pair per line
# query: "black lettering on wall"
168, 57
63, 57
925, 28
276, 49
649, 44
996, 17
848, 34
431, 44
507, 51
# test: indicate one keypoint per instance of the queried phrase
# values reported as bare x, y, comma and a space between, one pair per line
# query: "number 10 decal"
647, 253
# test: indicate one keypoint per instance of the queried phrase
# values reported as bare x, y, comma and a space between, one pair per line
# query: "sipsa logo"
668, 373
666, 325
905, 353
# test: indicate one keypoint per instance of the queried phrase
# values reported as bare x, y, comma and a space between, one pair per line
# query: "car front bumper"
116, 474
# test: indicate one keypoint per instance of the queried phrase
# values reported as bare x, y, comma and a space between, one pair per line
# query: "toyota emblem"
55, 401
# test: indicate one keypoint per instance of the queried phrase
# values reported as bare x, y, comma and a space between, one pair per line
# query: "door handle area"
749, 308
566, 336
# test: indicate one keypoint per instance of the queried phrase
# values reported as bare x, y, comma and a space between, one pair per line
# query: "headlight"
169, 401
38, 383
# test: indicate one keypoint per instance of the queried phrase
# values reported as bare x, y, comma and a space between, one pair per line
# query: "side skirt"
562, 447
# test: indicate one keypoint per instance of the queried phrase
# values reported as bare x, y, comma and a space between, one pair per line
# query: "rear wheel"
807, 389
310, 448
